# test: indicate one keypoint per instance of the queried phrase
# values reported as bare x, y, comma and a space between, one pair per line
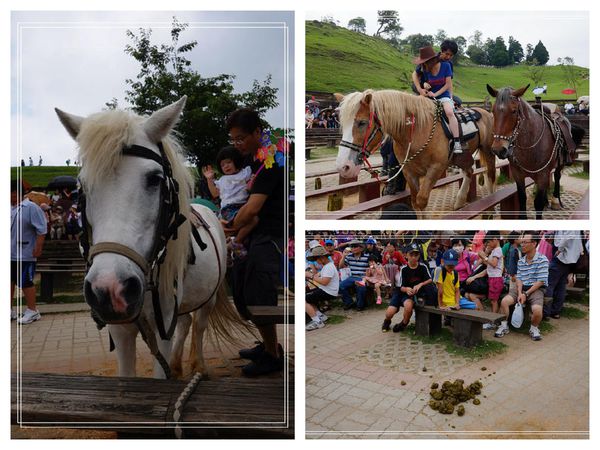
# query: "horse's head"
507, 113
126, 185
361, 130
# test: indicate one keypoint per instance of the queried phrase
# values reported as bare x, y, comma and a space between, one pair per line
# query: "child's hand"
208, 172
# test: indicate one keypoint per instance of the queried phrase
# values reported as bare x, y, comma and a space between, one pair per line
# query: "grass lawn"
582, 175
323, 152
40, 176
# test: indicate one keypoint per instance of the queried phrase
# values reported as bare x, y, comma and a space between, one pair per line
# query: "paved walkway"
66, 340
362, 383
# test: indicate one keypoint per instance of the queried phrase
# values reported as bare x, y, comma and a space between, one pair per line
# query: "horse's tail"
225, 324
578, 133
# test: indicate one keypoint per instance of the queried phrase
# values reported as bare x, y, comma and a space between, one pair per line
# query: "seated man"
532, 278
412, 282
327, 283
358, 262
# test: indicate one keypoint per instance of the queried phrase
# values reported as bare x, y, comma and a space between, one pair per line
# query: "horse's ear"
339, 97
521, 91
161, 122
71, 122
366, 100
493, 92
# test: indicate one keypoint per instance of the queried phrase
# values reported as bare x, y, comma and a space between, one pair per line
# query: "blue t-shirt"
438, 81
27, 222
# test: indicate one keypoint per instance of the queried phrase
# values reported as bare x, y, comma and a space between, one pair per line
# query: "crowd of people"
448, 270
317, 118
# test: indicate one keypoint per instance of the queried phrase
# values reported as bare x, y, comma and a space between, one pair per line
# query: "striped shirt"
358, 266
530, 273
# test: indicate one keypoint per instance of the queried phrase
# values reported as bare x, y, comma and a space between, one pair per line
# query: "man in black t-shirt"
255, 278
412, 281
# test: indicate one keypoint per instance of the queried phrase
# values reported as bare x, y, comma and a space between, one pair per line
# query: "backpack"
444, 272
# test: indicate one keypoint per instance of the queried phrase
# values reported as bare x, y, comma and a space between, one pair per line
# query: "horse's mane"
101, 140
392, 108
504, 95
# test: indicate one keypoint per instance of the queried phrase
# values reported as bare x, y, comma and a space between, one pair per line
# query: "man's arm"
250, 210
39, 244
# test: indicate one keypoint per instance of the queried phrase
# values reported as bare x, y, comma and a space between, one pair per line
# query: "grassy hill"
39, 176
339, 60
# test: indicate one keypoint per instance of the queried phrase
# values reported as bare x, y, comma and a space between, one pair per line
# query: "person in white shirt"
327, 284
570, 248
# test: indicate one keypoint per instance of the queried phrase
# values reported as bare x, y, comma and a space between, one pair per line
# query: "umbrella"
568, 91
63, 181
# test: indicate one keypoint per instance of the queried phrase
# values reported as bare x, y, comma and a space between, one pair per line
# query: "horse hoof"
555, 204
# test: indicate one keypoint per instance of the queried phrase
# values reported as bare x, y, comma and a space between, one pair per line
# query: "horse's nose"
111, 298
501, 151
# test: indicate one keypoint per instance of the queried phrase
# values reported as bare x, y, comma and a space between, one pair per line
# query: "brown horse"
527, 139
420, 144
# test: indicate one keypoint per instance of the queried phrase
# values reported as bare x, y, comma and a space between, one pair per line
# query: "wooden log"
335, 202
143, 406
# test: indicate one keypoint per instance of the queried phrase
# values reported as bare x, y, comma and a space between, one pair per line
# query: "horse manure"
403, 383
424, 369
484, 368
452, 395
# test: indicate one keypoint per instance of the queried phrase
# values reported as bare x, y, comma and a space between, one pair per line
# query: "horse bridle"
363, 152
170, 219
512, 139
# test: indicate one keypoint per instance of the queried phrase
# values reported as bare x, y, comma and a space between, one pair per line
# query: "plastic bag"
517, 317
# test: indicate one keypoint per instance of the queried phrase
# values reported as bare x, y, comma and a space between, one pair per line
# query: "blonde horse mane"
392, 107
101, 139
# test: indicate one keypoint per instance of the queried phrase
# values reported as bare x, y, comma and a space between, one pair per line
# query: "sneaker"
489, 326
502, 330
385, 327
264, 364
360, 283
399, 327
457, 148
378, 300
13, 315
534, 332
349, 306
322, 317
29, 316
313, 325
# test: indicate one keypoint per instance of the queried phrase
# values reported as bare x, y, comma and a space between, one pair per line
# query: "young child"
232, 188
448, 282
375, 275
495, 268
412, 282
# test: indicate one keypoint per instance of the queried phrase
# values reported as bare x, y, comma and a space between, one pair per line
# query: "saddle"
467, 124
558, 120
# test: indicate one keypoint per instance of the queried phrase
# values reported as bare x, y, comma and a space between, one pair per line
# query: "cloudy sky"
564, 33
75, 61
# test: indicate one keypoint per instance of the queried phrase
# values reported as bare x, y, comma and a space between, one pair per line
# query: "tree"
389, 24
540, 54
440, 37
166, 75
475, 39
515, 51
571, 74
330, 20
529, 53
357, 24
498, 54
476, 54
535, 72
416, 41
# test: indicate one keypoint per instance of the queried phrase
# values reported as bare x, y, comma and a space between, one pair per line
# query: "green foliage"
334, 319
416, 41
338, 60
540, 54
570, 312
515, 51
358, 24
389, 24
572, 75
536, 72
166, 75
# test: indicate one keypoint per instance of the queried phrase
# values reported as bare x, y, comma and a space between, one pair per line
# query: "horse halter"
370, 134
170, 219
515, 133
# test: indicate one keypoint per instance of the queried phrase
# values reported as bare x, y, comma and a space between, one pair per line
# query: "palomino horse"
137, 240
531, 142
420, 144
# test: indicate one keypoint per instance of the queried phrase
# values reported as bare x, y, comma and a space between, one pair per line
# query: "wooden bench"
323, 137
466, 323
272, 314
144, 407
58, 259
507, 198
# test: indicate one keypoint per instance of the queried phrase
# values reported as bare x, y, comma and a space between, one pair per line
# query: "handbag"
517, 316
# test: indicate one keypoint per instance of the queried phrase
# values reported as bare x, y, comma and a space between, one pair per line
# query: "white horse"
125, 165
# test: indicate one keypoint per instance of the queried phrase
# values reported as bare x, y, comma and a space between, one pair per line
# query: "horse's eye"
153, 179
362, 123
